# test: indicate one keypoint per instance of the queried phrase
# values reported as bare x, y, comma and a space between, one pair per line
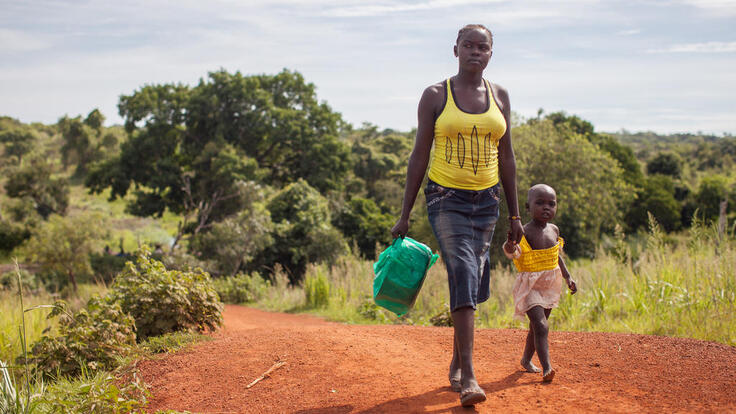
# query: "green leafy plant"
92, 338
163, 301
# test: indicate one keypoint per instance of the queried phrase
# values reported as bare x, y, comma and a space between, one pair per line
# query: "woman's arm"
419, 158
507, 166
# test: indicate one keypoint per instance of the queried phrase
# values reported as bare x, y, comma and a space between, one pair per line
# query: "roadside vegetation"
249, 190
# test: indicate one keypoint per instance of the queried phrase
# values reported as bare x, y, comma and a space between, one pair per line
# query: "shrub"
90, 339
317, 290
106, 266
241, 288
163, 301
9, 280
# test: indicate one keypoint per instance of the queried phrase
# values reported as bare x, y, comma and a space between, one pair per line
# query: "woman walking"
468, 120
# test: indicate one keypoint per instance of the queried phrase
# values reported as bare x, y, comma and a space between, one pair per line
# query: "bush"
9, 280
241, 288
106, 266
317, 290
12, 235
90, 339
163, 301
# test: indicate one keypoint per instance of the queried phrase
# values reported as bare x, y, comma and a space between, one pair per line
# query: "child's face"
543, 205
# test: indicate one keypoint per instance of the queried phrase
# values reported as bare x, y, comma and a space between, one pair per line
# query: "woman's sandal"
471, 397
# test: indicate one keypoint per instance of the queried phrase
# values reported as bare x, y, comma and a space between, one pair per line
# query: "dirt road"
337, 368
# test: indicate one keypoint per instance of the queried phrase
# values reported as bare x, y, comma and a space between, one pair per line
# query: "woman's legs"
455, 371
463, 320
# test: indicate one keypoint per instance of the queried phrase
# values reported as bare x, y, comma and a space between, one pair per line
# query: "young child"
541, 267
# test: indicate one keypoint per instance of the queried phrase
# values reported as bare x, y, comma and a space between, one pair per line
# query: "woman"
468, 120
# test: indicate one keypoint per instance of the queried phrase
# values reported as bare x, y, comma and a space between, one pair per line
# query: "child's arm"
570, 282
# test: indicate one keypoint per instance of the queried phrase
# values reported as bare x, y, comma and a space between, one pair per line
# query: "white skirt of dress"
536, 289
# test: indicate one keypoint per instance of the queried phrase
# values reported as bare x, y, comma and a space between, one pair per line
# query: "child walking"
541, 268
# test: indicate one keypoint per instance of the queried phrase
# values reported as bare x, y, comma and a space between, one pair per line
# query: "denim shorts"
463, 223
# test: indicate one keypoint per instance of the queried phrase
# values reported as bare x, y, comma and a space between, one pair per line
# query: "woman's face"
473, 50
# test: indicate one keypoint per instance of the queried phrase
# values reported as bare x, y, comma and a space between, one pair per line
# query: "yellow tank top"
465, 152
537, 260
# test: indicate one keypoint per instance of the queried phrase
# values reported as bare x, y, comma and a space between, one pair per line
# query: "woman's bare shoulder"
435, 90
502, 95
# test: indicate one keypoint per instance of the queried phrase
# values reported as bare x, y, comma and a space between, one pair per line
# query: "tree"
589, 182
85, 141
62, 246
658, 198
189, 147
711, 192
665, 163
303, 233
18, 142
35, 181
232, 243
363, 222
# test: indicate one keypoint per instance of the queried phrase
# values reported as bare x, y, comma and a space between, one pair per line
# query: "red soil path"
338, 368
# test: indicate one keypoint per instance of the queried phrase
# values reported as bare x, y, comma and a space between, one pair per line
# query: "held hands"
515, 232
510, 248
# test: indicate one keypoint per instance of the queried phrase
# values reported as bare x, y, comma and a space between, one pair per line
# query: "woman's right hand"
400, 228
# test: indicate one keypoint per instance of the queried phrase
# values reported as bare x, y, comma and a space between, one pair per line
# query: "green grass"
35, 319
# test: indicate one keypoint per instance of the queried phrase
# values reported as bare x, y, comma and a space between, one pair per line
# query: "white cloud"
17, 41
720, 8
630, 32
364, 10
706, 47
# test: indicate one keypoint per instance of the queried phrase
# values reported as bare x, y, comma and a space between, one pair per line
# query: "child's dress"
539, 280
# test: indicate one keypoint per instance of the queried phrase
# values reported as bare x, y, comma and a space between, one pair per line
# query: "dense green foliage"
589, 183
86, 141
163, 301
303, 231
241, 288
90, 339
33, 181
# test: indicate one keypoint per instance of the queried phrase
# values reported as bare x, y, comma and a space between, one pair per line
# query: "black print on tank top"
475, 154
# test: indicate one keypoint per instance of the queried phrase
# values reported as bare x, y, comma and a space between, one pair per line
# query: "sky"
666, 66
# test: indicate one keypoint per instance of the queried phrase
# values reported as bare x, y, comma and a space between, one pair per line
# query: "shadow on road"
441, 400
341, 409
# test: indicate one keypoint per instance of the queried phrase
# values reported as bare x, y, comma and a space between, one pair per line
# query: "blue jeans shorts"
463, 223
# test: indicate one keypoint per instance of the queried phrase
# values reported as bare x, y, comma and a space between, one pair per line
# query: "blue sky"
665, 66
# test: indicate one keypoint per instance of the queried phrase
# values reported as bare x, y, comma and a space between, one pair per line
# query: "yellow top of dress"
465, 152
532, 260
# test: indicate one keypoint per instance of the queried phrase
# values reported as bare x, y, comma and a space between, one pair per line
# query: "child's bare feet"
529, 366
549, 375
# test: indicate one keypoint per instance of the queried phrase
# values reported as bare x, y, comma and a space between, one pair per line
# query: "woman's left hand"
516, 230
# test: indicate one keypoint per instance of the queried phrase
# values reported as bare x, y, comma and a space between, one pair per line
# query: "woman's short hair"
469, 27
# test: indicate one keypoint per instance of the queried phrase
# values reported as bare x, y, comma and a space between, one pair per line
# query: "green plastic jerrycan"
399, 274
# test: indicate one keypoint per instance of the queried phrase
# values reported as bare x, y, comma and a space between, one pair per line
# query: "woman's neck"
468, 78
